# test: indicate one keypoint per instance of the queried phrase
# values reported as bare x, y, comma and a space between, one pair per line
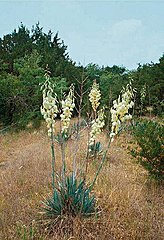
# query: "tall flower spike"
119, 111
97, 126
95, 96
67, 109
49, 108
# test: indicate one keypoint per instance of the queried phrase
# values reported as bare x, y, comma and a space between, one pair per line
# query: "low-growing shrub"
149, 136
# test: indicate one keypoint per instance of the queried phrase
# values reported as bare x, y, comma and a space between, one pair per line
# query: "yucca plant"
70, 199
71, 196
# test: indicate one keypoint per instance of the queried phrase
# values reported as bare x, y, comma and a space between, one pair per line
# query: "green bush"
149, 136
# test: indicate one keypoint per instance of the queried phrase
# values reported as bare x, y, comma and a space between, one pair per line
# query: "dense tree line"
24, 56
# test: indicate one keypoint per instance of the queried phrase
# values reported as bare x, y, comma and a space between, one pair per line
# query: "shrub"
150, 153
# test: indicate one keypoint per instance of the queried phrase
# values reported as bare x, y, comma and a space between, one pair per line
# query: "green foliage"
149, 137
95, 149
60, 85
110, 86
70, 198
20, 96
23, 42
24, 54
152, 77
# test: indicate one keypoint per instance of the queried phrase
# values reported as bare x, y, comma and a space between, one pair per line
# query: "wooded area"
24, 56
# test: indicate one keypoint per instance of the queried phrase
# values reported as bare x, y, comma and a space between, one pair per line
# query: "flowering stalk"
97, 126
49, 111
119, 111
67, 109
98, 122
119, 114
95, 96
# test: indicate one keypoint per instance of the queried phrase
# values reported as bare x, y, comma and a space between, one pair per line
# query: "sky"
103, 32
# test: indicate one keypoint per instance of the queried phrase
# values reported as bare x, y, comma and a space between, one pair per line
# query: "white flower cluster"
97, 126
94, 96
119, 111
49, 109
67, 109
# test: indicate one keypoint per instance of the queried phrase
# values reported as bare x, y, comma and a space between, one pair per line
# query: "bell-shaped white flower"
49, 107
67, 109
95, 96
119, 111
97, 126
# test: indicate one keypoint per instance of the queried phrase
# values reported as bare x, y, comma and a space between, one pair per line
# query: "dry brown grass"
131, 205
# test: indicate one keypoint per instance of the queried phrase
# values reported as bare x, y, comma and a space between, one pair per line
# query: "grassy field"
131, 204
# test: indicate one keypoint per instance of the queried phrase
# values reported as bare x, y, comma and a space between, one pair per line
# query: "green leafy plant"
150, 153
70, 199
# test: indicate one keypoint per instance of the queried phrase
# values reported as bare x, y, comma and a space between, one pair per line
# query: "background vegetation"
24, 55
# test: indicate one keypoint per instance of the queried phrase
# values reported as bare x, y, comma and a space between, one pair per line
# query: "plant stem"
87, 158
53, 159
76, 147
63, 160
101, 165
